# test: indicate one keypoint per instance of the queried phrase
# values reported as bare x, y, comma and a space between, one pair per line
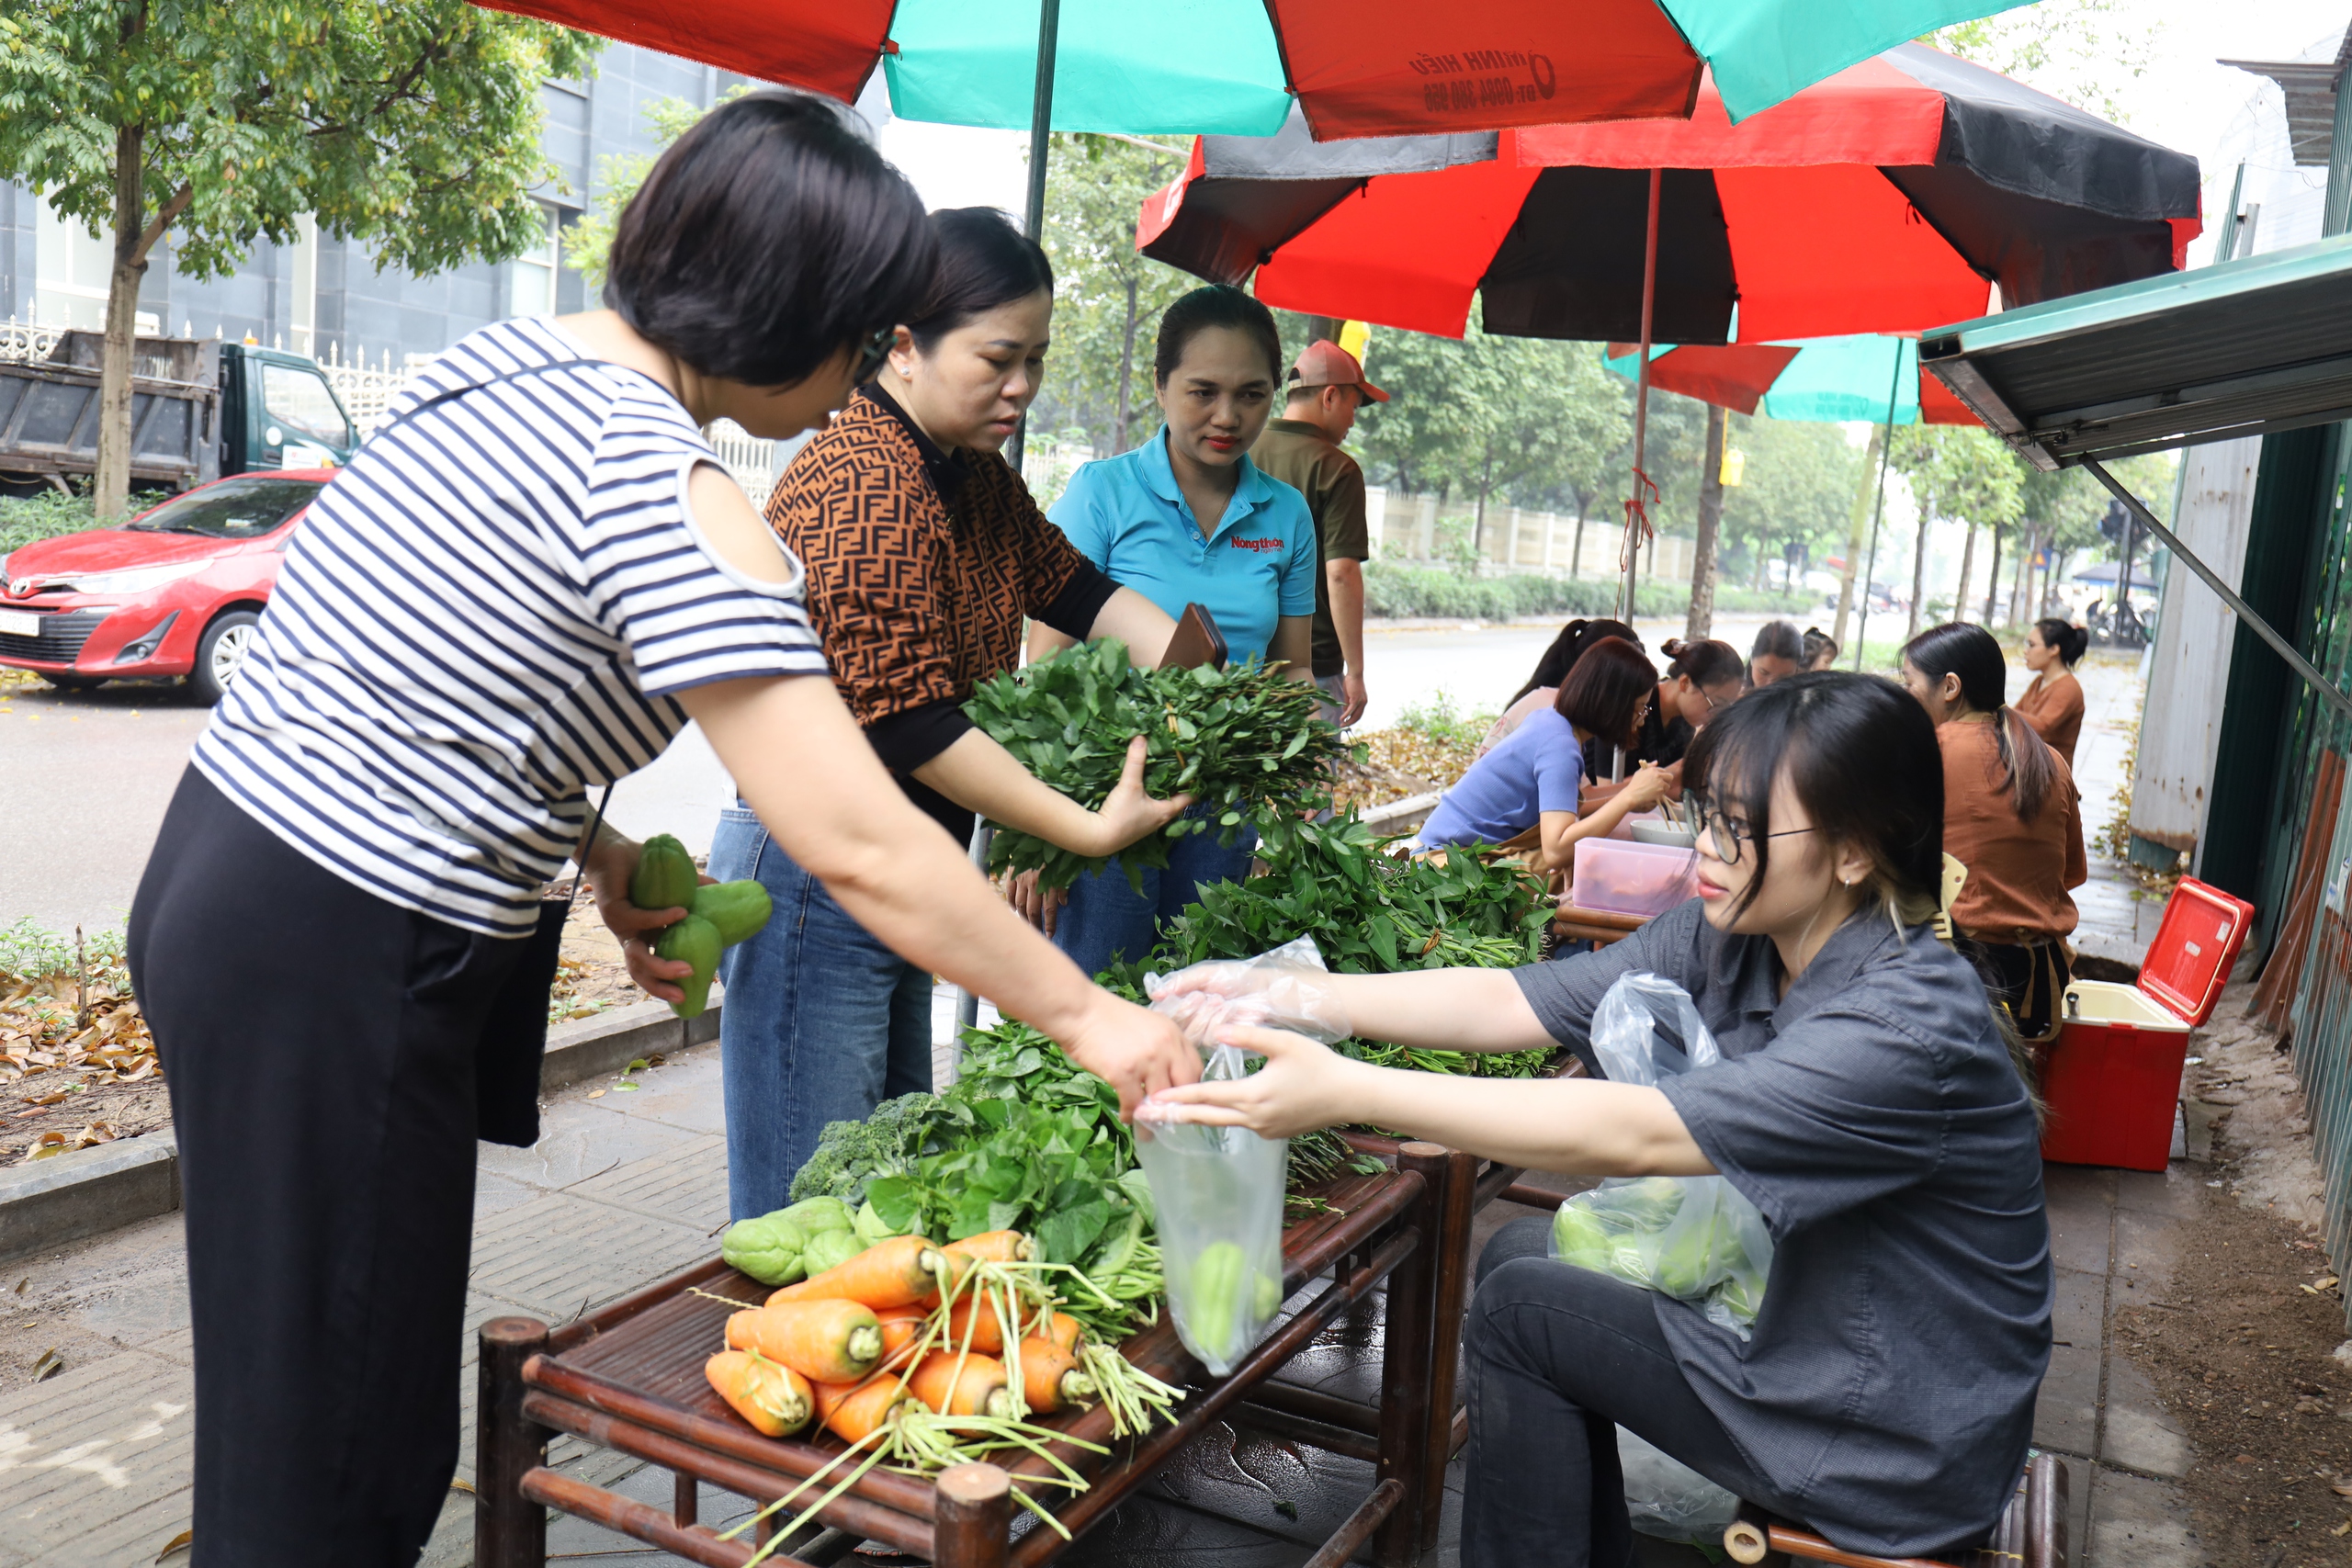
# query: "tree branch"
164, 218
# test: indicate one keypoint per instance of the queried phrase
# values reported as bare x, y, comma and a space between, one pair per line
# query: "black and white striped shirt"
488, 613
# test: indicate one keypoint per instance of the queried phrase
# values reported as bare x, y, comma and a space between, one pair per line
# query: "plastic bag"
1692, 1237
1218, 1191
1286, 989
1667, 1498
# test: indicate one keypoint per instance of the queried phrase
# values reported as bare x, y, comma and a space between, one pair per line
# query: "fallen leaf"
1285, 1507
177, 1543
655, 1060
2341, 1529
22, 1283
460, 1483
626, 1087
596, 1094
49, 1366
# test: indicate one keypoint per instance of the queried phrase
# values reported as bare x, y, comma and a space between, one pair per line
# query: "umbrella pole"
1877, 511
1637, 509
1041, 130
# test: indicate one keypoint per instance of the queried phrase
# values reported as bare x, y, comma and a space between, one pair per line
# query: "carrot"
774, 1398
963, 1385
897, 1272
824, 1342
855, 1411
1065, 1331
982, 1319
1050, 1376
994, 1246
901, 1326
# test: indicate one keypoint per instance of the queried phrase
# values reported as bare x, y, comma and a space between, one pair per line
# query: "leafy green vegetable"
1238, 740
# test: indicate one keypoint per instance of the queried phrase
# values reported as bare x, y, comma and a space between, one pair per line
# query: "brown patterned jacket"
921, 567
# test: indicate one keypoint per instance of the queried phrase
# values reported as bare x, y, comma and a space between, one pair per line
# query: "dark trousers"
1558, 1358
2028, 980
320, 1047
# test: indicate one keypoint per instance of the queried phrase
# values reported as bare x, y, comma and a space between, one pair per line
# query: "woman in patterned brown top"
924, 553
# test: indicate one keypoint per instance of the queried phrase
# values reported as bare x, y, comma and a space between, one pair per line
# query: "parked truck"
200, 409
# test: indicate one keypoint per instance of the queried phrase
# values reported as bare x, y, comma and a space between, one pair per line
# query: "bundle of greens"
1372, 913
1240, 740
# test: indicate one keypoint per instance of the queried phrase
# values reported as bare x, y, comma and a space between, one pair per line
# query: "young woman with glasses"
1704, 678
1867, 1103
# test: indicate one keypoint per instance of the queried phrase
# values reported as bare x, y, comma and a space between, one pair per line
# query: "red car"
175, 590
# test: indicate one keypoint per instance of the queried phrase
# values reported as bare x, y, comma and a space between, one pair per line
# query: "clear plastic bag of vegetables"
1696, 1238
1670, 1500
1219, 1192
1287, 988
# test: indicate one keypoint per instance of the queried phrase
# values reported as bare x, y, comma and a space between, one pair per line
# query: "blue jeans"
821, 1022
1107, 920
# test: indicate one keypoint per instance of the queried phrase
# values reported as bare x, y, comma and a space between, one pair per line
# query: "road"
84, 778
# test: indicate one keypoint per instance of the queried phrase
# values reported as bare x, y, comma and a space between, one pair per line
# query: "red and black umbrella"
1884, 199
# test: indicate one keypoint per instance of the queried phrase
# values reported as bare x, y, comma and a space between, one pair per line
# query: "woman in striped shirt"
520, 590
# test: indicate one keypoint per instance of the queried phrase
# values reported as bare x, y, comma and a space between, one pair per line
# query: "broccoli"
849, 1153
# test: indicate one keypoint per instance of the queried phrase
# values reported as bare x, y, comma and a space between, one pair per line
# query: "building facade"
326, 297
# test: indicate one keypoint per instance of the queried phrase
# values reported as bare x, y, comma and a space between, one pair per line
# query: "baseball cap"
1325, 364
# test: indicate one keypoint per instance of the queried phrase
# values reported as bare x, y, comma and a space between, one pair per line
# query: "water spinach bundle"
1238, 740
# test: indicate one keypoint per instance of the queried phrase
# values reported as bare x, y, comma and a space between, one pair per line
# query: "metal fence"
23, 343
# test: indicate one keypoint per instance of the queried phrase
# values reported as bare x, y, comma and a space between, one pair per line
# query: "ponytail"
1552, 669
1706, 662
2070, 640
2028, 765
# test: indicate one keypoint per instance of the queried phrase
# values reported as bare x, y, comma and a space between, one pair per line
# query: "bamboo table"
630, 1379
1599, 927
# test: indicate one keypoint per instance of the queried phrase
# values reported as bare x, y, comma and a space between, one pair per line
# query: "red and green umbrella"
1366, 68
1882, 200
1873, 378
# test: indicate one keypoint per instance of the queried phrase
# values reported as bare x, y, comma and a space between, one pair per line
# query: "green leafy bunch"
1372, 913
1238, 740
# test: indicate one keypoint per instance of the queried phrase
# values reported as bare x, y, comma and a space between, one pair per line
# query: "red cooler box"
2112, 1077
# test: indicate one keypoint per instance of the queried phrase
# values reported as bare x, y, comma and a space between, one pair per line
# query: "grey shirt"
1875, 1119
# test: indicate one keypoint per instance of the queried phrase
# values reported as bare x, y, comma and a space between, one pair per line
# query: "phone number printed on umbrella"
1466, 90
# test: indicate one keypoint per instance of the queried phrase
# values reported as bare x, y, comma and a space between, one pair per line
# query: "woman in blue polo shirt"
1187, 518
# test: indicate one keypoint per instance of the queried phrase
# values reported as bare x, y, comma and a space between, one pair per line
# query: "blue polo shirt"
1126, 515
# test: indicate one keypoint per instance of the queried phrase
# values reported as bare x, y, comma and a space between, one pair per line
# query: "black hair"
1215, 305
1863, 759
1605, 692
1707, 662
1816, 643
1561, 657
770, 237
2071, 640
984, 262
2028, 763
1779, 639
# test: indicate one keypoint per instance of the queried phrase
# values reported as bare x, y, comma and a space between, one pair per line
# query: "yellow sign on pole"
1734, 466
1355, 337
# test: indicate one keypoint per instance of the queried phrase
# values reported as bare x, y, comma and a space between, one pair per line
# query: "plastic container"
1624, 878
2112, 1077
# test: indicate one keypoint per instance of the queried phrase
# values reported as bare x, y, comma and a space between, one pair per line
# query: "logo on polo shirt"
1242, 544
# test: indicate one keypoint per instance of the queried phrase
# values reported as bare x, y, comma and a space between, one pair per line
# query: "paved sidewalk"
627, 1185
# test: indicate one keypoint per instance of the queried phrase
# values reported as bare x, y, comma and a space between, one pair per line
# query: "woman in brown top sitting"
2053, 702
2011, 816
923, 552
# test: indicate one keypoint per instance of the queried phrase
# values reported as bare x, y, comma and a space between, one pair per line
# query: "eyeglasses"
872, 352
1729, 833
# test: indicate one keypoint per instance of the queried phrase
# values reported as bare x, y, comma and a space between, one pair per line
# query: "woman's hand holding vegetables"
1128, 813
1135, 1051
1303, 1086
1207, 998
1041, 908
611, 865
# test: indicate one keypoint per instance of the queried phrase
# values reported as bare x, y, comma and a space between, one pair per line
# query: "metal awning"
2240, 348
2310, 89
2260, 343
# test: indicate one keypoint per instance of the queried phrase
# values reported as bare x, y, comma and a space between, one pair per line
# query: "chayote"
829, 1249
768, 1248
817, 1215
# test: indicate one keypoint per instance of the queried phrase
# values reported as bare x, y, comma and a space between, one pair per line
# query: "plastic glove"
1287, 989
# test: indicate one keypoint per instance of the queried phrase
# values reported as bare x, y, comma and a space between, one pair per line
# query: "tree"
1960, 474
1797, 489
2085, 51
1108, 296
414, 126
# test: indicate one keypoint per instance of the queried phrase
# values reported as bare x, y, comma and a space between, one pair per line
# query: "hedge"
1395, 593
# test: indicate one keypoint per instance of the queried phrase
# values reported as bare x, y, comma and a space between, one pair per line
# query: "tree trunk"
1918, 576
1701, 619
1967, 571
110, 484
1576, 557
1126, 370
1858, 531
1479, 516
2017, 578
1993, 577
